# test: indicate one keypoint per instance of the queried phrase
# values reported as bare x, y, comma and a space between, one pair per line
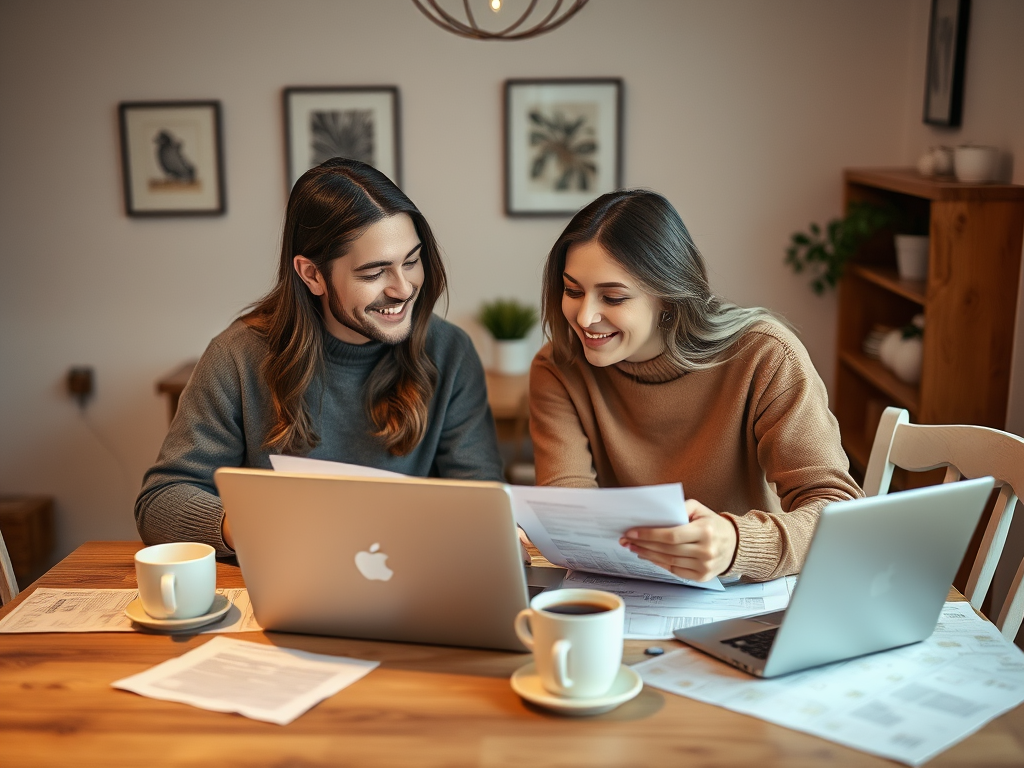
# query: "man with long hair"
342, 360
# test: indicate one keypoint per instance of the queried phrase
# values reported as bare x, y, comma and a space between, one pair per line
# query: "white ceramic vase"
511, 356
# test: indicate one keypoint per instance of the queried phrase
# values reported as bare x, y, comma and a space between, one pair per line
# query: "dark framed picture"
358, 122
947, 53
172, 158
563, 144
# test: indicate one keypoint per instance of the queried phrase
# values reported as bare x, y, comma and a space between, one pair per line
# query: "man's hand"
698, 551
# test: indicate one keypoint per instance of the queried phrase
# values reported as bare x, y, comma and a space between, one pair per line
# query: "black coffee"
576, 609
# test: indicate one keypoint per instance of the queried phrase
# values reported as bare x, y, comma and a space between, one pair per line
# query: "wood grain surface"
424, 706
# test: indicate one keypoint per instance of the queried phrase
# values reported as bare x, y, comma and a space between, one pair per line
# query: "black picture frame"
362, 122
172, 158
545, 117
947, 57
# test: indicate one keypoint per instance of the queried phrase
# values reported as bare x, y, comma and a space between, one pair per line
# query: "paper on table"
579, 528
907, 704
102, 610
655, 610
262, 682
302, 465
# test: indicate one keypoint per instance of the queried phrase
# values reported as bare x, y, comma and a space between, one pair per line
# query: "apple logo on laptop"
882, 582
371, 564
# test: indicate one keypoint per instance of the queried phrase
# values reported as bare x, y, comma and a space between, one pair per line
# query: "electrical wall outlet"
80, 383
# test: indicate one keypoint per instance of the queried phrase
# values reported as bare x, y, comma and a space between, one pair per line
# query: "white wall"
993, 114
742, 113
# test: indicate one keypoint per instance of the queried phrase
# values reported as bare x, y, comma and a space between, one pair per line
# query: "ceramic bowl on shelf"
976, 164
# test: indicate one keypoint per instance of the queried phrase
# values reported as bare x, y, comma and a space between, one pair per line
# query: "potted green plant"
509, 321
825, 253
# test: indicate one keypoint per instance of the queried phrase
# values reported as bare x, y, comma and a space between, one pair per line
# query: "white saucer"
137, 613
526, 682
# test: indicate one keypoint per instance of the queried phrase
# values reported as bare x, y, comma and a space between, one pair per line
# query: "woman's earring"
666, 318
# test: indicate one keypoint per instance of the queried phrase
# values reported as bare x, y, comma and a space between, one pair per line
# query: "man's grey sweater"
225, 413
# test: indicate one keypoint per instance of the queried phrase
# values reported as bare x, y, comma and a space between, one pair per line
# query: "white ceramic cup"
176, 581
577, 655
976, 164
912, 256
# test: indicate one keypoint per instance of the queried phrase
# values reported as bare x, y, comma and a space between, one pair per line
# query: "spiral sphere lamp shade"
520, 28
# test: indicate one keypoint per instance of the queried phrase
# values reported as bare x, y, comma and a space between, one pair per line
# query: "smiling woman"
650, 378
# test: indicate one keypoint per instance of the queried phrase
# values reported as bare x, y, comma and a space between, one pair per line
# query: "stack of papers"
907, 704
655, 610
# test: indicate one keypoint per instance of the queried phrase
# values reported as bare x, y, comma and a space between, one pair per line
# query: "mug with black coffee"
576, 639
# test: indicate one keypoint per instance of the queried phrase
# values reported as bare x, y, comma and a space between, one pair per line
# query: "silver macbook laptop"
410, 560
876, 576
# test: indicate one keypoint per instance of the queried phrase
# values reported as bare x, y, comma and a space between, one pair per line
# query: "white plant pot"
912, 256
511, 357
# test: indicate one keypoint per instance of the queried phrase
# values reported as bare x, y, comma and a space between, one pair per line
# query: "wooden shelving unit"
969, 301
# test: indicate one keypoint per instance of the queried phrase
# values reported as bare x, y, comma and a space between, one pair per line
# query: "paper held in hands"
579, 528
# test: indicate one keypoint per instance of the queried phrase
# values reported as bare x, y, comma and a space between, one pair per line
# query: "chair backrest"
966, 452
8, 584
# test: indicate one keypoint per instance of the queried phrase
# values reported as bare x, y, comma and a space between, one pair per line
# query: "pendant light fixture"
527, 24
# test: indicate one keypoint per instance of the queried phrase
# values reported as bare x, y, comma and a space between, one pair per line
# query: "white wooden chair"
8, 584
966, 452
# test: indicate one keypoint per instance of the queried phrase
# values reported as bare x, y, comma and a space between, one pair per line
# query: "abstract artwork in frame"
171, 158
947, 55
357, 122
563, 144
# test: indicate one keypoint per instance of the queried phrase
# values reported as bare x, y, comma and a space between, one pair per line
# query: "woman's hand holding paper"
700, 550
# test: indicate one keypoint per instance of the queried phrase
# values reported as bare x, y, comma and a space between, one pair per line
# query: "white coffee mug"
176, 581
576, 639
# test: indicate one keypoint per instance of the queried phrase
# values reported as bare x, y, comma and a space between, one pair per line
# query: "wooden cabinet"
969, 301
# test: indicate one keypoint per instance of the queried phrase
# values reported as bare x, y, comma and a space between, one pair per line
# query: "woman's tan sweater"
729, 434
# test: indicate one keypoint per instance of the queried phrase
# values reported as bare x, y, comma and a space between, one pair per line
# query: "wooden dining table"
423, 706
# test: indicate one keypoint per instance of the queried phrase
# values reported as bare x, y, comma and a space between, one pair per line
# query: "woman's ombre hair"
646, 236
330, 207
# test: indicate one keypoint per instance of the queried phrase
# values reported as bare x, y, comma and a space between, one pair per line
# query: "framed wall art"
359, 122
563, 144
947, 55
172, 158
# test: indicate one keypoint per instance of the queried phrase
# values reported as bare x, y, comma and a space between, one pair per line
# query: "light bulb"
495, 5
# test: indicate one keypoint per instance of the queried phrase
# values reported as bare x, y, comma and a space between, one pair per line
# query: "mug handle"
522, 627
560, 663
167, 592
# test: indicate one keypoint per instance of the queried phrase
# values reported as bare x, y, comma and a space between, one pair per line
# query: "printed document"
654, 610
580, 528
908, 704
262, 682
102, 610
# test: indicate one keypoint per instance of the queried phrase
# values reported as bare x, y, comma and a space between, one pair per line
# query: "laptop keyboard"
757, 644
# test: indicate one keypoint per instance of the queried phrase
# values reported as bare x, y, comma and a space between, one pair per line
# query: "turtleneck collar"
659, 370
342, 353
